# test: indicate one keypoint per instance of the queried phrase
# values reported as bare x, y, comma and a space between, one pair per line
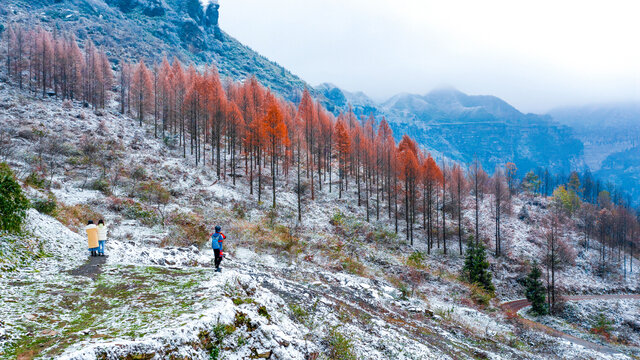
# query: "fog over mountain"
535, 57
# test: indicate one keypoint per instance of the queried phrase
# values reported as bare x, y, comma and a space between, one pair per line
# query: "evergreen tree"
535, 291
531, 182
13, 203
476, 266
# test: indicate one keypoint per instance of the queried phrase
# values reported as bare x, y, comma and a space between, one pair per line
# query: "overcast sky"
535, 55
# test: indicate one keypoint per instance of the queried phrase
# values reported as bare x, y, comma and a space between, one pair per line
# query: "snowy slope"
149, 299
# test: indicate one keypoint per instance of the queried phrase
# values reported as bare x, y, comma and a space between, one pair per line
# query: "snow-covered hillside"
332, 286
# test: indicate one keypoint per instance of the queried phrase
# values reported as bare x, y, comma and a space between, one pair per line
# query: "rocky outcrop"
151, 8
192, 35
154, 8
212, 15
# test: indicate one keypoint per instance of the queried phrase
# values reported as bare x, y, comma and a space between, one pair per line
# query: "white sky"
535, 55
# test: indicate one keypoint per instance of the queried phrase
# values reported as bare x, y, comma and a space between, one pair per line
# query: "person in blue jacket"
216, 244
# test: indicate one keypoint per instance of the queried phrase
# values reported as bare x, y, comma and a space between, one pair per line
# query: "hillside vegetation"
342, 243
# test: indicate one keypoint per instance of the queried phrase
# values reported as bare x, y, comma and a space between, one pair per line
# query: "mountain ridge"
461, 127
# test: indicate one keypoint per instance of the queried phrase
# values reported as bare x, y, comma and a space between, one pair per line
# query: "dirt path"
91, 269
517, 305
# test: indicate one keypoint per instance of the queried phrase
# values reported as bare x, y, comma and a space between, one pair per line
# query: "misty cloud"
535, 55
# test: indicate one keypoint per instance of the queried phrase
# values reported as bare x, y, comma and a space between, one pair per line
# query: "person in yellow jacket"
102, 237
92, 236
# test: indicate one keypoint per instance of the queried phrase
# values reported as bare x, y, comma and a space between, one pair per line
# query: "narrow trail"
518, 305
91, 269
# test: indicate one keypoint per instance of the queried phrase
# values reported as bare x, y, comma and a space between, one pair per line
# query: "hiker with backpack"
216, 244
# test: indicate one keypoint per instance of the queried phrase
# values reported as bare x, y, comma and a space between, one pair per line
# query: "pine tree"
535, 291
13, 203
531, 183
476, 267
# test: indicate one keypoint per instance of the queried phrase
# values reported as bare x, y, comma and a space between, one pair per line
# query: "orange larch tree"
275, 130
343, 146
141, 88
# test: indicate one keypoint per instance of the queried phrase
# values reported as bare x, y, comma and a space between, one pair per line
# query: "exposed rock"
212, 14
150, 8
192, 35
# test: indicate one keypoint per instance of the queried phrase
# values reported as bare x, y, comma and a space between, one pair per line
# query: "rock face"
212, 15
192, 34
150, 8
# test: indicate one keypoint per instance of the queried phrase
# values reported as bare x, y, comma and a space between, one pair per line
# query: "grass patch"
239, 301
19, 250
479, 295
416, 259
339, 346
353, 266
262, 311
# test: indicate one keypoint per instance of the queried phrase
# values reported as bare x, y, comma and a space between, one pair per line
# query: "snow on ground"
619, 318
156, 302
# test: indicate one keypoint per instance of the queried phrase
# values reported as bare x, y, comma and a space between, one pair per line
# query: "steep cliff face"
130, 29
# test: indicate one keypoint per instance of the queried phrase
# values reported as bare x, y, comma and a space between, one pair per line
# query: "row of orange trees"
243, 130
247, 130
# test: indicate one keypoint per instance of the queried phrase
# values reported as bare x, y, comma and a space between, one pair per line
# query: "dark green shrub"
339, 346
46, 206
262, 311
135, 210
35, 180
13, 203
416, 259
213, 340
102, 185
602, 325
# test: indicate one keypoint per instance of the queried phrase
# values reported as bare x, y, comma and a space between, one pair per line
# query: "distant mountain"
129, 29
462, 127
611, 137
623, 169
337, 100
607, 116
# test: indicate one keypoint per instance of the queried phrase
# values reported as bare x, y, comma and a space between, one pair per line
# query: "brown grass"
75, 217
188, 229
